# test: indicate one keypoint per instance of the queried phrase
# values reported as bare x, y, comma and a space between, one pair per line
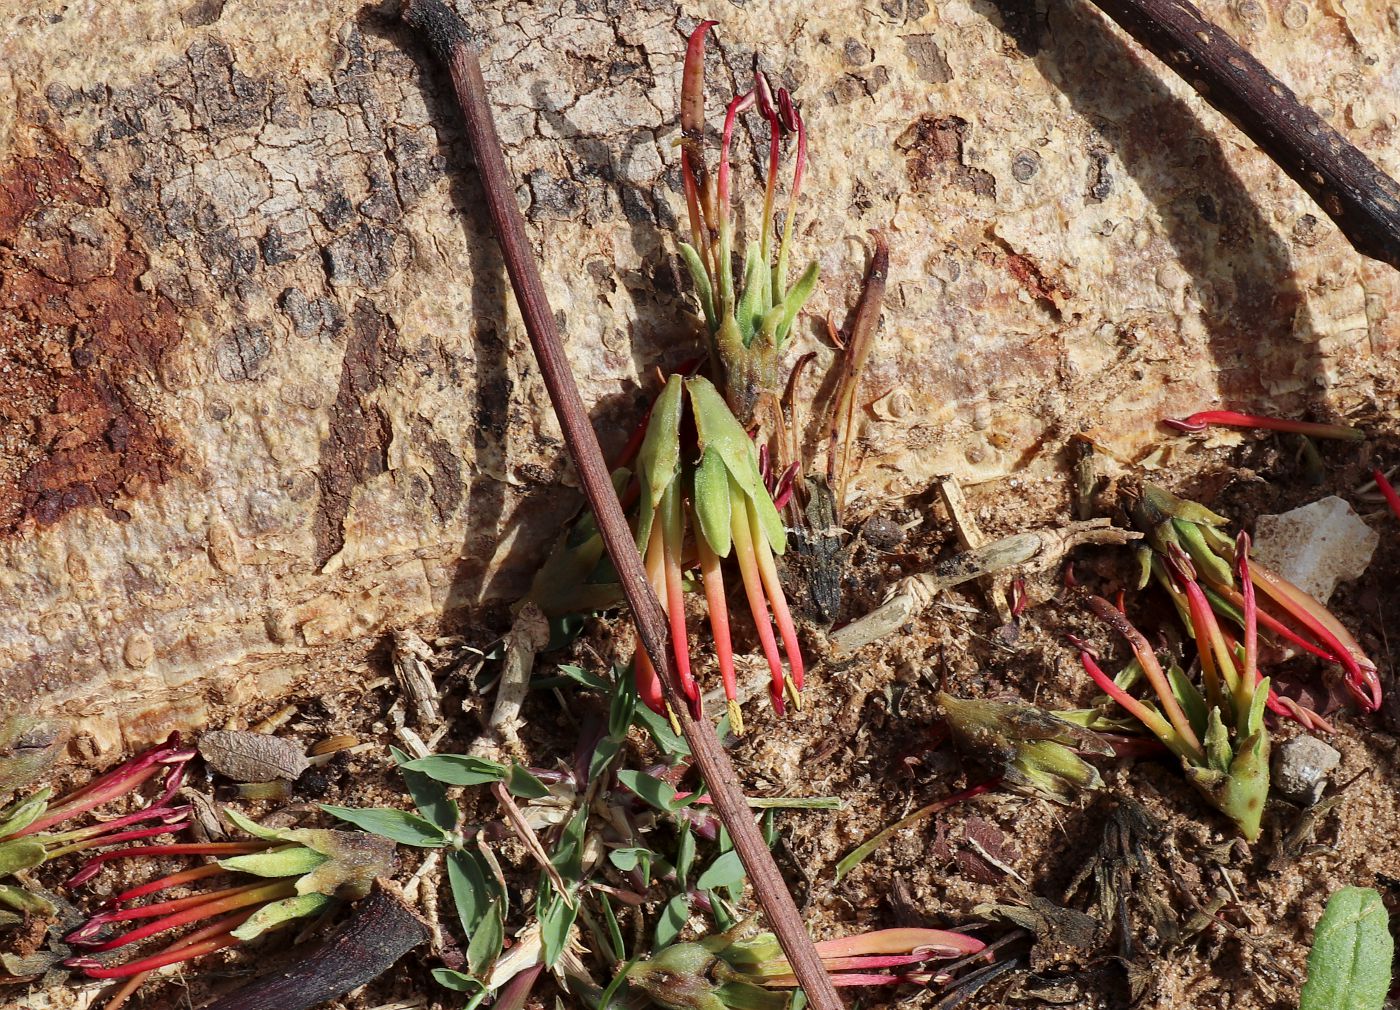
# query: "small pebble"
1301, 768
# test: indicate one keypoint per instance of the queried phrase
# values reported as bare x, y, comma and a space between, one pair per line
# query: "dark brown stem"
380, 930
1362, 200
453, 44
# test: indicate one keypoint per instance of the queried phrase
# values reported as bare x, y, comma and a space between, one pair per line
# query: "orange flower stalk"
699, 512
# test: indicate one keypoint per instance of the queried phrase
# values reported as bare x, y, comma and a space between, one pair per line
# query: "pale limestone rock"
1316, 546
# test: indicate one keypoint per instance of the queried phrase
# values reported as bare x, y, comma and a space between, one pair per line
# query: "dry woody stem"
452, 43
1362, 200
381, 930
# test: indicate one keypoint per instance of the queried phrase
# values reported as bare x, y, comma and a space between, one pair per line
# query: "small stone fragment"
1316, 546
1301, 768
252, 757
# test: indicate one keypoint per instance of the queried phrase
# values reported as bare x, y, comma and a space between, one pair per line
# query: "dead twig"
1362, 200
1038, 549
442, 28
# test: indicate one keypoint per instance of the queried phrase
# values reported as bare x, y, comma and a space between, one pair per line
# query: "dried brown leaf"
252, 757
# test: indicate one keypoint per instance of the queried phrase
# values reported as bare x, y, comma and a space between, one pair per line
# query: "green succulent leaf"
20, 854
292, 861
712, 502
399, 825
764, 514
1189, 697
659, 459
23, 813
252, 827
792, 304
701, 279
749, 312
278, 913
717, 428
1349, 967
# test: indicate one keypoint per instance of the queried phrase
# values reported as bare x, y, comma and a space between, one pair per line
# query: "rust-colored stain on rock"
80, 346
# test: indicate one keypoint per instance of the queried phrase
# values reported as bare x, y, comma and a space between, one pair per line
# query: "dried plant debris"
252, 757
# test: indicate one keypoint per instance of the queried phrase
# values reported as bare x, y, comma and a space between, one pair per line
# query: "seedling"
1218, 733
1174, 524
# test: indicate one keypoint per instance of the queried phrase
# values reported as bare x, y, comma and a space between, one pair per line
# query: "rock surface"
265, 395
1316, 546
1301, 767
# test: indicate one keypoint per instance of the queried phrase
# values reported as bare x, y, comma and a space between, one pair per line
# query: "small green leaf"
472, 887
457, 981
667, 740
685, 856
398, 825
718, 429
1189, 698
556, 919
659, 458
672, 921
428, 794
726, 871
23, 813
622, 707
792, 304
277, 913
292, 861
20, 854
701, 280
459, 769
1349, 967
748, 314
660, 794
638, 858
585, 677
614, 938
488, 940
524, 784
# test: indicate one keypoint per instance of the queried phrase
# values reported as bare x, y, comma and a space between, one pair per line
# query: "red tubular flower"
1233, 419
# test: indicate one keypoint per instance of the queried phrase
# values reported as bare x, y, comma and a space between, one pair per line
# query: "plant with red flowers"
748, 317
1218, 732
27, 827
1173, 524
700, 503
304, 871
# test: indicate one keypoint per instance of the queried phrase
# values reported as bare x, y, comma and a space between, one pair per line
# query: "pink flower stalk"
126, 778
1233, 419
1175, 731
1388, 490
741, 967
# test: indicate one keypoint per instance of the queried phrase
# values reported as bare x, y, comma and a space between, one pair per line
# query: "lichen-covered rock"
265, 394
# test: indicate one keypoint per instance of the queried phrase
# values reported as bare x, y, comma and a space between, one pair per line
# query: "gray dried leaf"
252, 757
